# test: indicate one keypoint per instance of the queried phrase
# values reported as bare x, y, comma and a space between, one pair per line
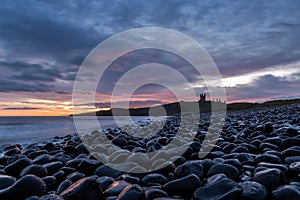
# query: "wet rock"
154, 193
289, 142
15, 168
154, 179
131, 192
51, 197
37, 170
87, 166
105, 170
215, 178
269, 158
33, 198
292, 159
282, 167
244, 158
84, 189
63, 185
75, 176
253, 190
184, 185
26, 186
286, 192
295, 167
229, 170
240, 149
43, 159
270, 178
223, 189
53, 167
292, 151
130, 179
268, 128
273, 140
116, 188
50, 181
6, 181
105, 182
189, 168
292, 132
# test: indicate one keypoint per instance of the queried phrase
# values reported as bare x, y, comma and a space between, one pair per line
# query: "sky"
255, 45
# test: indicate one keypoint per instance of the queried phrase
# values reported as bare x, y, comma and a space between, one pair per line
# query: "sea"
27, 130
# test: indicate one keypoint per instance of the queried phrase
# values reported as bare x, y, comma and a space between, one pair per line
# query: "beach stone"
245, 158
12, 151
60, 175
292, 159
183, 185
282, 167
34, 154
253, 190
154, 179
292, 151
234, 162
105, 170
286, 192
223, 189
80, 148
130, 179
84, 189
215, 178
105, 182
269, 158
292, 132
270, 178
289, 142
88, 166
154, 193
51, 197
75, 176
294, 167
50, 181
68, 170
189, 168
6, 181
268, 128
37, 170
63, 185
116, 188
273, 140
131, 192
229, 170
26, 186
74, 162
119, 141
32, 198
240, 149
15, 168
43, 159
53, 167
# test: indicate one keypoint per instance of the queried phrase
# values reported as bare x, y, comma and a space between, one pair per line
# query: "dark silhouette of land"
176, 107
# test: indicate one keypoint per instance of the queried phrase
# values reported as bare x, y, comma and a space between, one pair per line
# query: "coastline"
254, 145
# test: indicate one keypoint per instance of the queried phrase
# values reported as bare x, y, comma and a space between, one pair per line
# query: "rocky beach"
256, 157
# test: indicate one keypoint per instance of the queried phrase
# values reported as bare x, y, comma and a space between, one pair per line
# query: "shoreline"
254, 145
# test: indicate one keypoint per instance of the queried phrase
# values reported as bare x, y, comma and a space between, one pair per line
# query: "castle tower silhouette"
202, 98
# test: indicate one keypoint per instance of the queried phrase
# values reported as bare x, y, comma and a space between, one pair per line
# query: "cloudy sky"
255, 45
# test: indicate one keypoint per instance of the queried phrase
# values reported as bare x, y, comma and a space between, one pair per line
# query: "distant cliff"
204, 107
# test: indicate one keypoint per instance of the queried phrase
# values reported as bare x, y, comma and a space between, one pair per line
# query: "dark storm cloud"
17, 86
22, 108
44, 42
